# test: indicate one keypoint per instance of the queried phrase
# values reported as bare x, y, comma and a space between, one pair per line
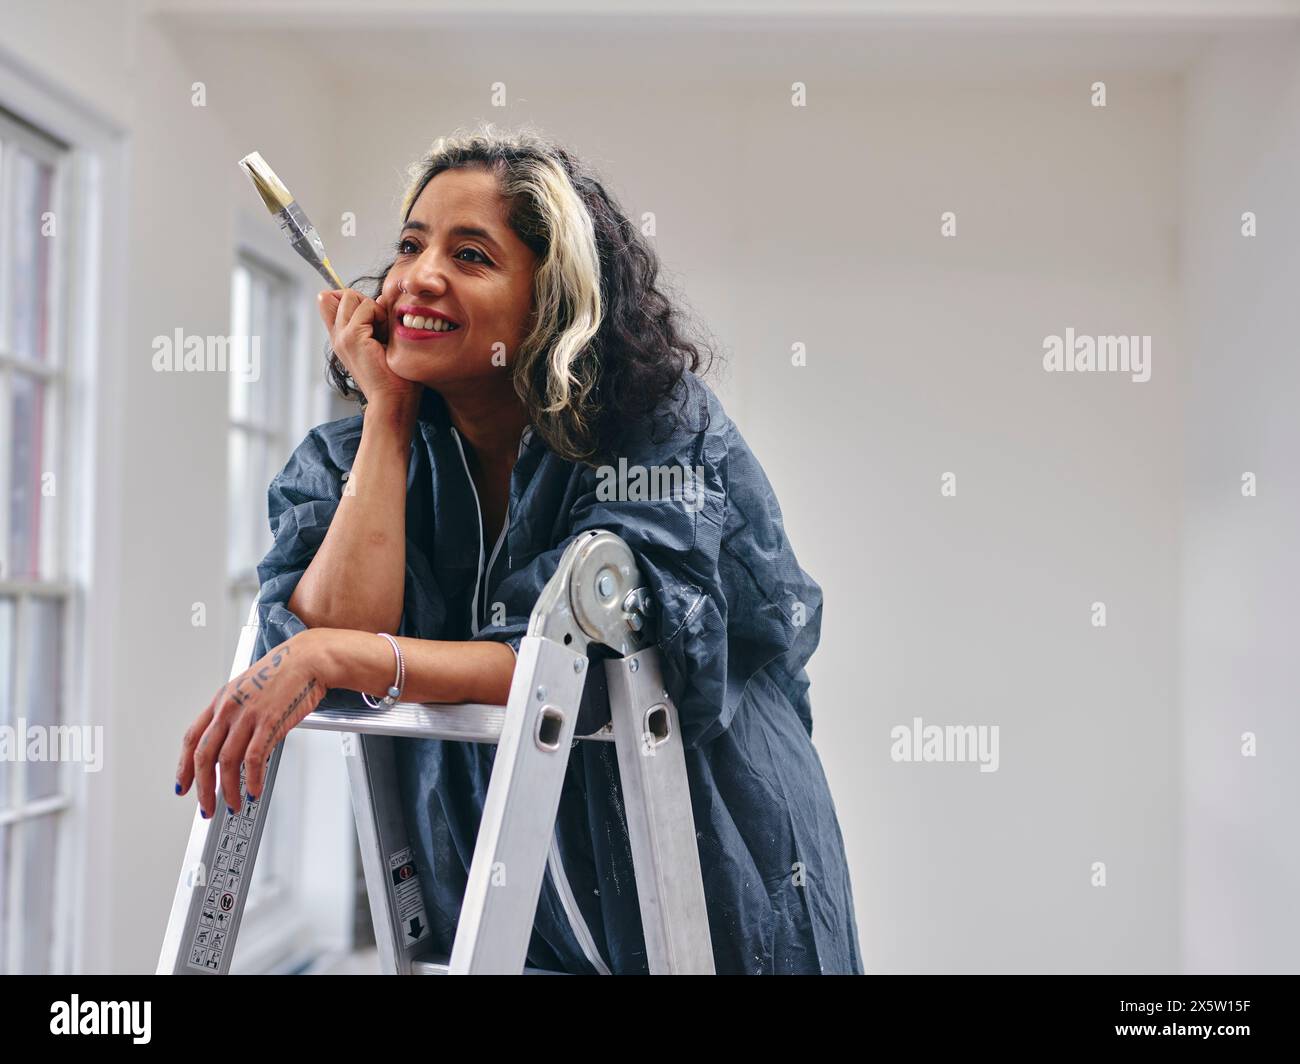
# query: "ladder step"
466, 722
470, 722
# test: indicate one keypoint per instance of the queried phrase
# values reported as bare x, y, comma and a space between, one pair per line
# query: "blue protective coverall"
737, 619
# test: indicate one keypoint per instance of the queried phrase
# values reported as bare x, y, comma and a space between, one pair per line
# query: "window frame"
287, 437
18, 814
91, 195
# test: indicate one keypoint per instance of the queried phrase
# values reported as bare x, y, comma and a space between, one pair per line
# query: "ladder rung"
467, 722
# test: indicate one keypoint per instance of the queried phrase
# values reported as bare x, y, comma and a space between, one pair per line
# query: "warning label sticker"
223, 884
409, 902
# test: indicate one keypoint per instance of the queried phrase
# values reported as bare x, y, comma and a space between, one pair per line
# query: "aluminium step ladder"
595, 596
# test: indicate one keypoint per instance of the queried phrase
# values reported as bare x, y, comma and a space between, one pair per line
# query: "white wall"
1242, 870
85, 49
925, 357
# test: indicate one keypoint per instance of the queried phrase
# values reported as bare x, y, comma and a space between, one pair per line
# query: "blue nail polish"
178, 787
230, 811
203, 814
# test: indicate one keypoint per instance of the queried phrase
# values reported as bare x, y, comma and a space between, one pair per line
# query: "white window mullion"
50, 508
18, 794
6, 228
6, 374
6, 413
69, 850
55, 546
58, 543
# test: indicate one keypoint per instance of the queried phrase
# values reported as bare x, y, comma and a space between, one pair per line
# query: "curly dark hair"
607, 347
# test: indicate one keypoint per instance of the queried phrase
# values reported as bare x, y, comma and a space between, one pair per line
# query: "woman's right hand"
355, 323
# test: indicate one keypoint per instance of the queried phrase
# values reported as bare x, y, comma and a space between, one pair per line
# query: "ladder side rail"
523, 797
212, 889
660, 821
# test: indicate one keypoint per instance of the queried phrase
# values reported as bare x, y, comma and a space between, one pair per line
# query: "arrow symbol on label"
416, 927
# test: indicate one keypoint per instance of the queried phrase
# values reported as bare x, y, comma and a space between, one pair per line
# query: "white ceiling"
582, 42
586, 50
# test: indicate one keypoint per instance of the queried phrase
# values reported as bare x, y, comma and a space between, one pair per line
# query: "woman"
516, 349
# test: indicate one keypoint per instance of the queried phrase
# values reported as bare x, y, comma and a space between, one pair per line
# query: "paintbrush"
295, 223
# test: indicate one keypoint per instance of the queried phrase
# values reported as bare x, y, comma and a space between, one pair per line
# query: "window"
299, 908
264, 429
39, 601
262, 419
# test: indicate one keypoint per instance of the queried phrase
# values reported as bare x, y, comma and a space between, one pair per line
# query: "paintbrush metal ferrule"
291, 217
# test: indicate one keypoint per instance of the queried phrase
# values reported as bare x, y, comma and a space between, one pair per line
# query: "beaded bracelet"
394, 692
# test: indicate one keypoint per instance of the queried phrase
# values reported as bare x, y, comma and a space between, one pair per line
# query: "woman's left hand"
249, 716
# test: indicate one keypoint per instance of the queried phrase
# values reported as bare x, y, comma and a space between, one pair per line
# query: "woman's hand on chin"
360, 330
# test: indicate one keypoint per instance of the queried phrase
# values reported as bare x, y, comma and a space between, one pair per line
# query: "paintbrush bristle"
269, 187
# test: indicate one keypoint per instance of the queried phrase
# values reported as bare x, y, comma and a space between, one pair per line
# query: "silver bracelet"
394, 692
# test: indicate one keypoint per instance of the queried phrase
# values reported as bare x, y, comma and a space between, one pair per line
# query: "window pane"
7, 630
262, 323
237, 511
273, 460
257, 535
25, 476
43, 673
241, 604
29, 256
277, 355
240, 294
249, 530
37, 925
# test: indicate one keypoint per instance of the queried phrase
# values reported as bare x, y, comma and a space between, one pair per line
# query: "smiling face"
458, 257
